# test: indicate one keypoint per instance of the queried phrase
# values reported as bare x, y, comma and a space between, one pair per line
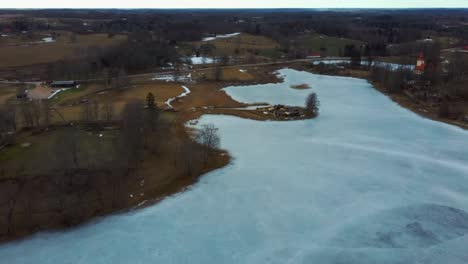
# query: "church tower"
420, 64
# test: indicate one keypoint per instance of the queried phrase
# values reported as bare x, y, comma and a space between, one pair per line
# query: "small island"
286, 112
303, 86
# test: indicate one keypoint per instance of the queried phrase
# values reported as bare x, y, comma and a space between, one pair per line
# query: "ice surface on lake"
365, 182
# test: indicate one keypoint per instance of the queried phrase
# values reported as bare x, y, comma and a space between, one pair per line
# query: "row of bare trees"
391, 79
30, 113
93, 111
7, 125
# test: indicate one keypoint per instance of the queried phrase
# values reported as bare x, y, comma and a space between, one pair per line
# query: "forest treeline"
155, 35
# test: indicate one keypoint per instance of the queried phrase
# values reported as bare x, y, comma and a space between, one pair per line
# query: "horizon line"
227, 8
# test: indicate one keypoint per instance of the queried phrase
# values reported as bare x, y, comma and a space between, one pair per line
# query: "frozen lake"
365, 182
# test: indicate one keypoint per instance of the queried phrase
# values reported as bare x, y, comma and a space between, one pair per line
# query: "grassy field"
43, 150
244, 43
228, 74
333, 45
27, 54
64, 96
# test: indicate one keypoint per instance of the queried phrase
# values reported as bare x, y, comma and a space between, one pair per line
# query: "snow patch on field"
172, 78
201, 60
48, 40
56, 92
221, 36
170, 100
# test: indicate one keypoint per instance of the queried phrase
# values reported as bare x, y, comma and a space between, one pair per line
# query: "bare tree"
108, 111
95, 110
150, 101
66, 149
224, 60
7, 126
119, 79
30, 113
312, 104
90, 111
73, 38
218, 71
188, 159
177, 71
209, 138
132, 137
36, 112
46, 113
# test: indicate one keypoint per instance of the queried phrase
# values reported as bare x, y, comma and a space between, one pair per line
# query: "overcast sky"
231, 3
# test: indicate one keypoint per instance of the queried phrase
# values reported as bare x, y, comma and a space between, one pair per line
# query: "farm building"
62, 84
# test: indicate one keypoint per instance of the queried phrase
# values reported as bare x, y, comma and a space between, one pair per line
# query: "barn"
62, 84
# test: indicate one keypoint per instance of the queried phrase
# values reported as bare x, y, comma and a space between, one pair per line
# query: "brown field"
229, 74
13, 56
69, 101
7, 91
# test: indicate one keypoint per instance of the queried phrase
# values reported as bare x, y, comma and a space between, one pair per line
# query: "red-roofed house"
314, 55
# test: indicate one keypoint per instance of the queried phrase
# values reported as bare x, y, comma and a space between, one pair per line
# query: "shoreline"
187, 112
421, 110
401, 99
174, 184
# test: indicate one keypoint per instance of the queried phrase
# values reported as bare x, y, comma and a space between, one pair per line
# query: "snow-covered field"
365, 182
